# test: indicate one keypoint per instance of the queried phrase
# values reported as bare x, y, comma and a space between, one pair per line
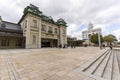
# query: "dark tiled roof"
10, 26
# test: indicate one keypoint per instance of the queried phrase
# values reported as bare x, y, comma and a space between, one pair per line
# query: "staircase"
103, 67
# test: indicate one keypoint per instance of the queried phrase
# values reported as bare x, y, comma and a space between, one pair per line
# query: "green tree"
109, 38
94, 38
119, 43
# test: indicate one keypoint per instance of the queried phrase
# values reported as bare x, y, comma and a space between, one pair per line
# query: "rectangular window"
34, 23
50, 30
5, 42
25, 23
43, 28
34, 39
64, 31
18, 42
56, 30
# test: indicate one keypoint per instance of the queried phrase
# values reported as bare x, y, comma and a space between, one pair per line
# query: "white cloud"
117, 34
102, 13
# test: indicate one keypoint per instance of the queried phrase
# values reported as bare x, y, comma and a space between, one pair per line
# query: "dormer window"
3, 25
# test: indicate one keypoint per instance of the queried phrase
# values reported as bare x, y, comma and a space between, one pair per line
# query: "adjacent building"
11, 35
73, 41
86, 35
34, 30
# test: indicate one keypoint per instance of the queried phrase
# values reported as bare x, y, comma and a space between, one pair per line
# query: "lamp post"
99, 40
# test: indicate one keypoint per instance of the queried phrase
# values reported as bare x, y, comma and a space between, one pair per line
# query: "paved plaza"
45, 64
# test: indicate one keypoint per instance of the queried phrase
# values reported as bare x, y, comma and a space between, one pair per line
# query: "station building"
34, 30
86, 34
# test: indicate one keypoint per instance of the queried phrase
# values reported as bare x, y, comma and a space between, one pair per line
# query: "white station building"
86, 35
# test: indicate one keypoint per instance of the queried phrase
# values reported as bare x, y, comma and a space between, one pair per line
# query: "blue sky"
77, 13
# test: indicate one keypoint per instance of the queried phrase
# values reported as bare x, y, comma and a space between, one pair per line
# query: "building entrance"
49, 42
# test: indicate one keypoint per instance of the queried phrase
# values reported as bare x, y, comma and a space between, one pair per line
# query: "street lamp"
99, 39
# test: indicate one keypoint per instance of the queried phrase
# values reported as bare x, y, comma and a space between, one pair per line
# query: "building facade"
40, 30
86, 35
72, 41
11, 35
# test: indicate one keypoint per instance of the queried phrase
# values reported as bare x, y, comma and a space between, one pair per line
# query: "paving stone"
45, 64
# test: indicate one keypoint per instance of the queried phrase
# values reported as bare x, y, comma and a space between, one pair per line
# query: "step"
118, 58
107, 74
116, 73
100, 69
91, 69
86, 65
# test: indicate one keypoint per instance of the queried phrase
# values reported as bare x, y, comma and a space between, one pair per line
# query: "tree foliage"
110, 38
94, 38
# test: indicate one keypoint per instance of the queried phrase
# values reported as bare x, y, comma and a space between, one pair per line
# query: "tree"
109, 38
94, 38
119, 43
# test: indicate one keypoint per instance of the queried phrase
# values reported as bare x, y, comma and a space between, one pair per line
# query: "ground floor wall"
20, 42
11, 42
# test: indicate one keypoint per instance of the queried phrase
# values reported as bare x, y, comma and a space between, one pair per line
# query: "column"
58, 42
65, 36
99, 39
27, 45
40, 25
61, 36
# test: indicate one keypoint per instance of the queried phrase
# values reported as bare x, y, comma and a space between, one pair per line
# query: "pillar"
27, 45
40, 25
99, 39
61, 36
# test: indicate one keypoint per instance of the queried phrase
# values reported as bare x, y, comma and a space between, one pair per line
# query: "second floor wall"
35, 23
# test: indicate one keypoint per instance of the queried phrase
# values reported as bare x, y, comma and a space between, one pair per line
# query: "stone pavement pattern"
45, 64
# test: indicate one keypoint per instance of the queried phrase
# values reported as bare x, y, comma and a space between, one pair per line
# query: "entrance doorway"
49, 42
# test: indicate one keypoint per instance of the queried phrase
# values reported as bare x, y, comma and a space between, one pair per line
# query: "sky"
104, 14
